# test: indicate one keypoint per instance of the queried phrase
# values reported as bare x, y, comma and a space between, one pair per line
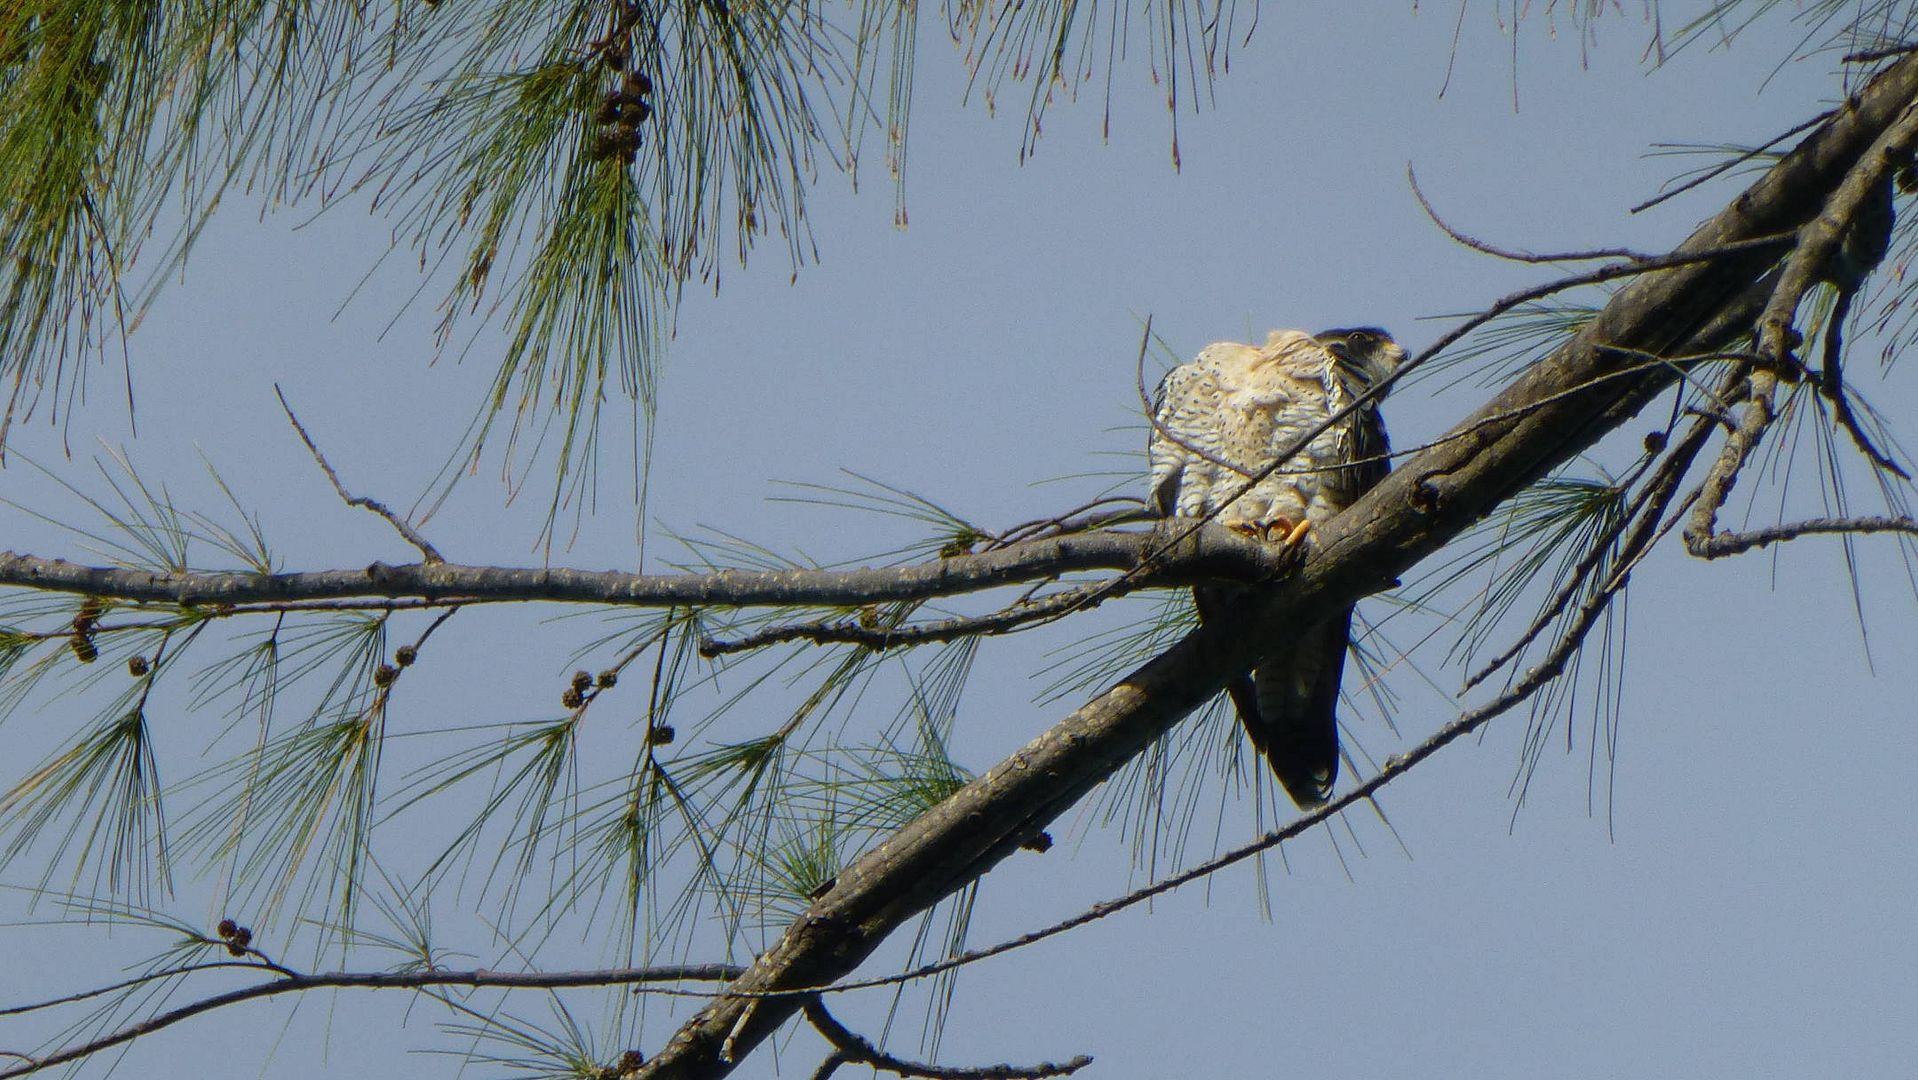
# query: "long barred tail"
1289, 707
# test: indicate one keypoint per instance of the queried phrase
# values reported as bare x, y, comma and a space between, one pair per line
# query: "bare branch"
850, 1048
1736, 543
1514, 256
1166, 555
405, 529
1717, 486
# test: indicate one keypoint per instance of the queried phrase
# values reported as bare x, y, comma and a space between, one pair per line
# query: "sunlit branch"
1820, 239
1722, 544
1749, 428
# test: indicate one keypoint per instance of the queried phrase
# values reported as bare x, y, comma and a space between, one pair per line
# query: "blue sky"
1732, 900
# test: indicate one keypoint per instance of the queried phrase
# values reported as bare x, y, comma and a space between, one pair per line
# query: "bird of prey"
1220, 422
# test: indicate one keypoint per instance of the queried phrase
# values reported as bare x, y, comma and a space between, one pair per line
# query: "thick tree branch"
1433, 497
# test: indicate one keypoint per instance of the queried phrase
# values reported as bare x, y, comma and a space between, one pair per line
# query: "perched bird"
1220, 422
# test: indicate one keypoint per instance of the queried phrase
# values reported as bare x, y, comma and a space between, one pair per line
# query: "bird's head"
1366, 351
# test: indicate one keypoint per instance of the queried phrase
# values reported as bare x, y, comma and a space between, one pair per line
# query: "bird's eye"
1359, 339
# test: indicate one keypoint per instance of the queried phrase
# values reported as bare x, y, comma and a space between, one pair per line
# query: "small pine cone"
572, 698
637, 85
84, 649
90, 611
235, 950
405, 655
242, 937
607, 680
605, 145
608, 111
137, 666
581, 681
384, 675
661, 735
227, 928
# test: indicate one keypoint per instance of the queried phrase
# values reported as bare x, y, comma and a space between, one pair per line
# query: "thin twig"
1487, 248
1676, 460
850, 1048
412, 535
1079, 519
1719, 170
1152, 412
1016, 617
1872, 55
382, 980
127, 984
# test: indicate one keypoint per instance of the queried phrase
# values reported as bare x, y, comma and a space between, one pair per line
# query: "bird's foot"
1277, 530
1281, 531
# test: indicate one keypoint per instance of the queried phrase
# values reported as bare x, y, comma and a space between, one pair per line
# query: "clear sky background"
1735, 896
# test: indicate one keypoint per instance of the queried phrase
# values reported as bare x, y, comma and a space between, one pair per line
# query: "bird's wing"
1172, 425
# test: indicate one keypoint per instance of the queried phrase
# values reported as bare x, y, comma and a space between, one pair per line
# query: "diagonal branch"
1416, 510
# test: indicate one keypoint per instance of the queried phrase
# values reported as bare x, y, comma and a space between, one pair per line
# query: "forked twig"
850, 1048
365, 502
